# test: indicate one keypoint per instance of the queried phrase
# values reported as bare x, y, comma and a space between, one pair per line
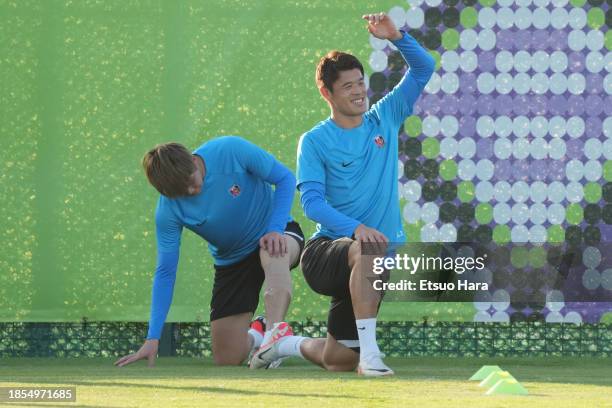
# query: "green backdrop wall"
89, 86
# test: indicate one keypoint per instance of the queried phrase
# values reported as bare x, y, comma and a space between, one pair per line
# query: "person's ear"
325, 93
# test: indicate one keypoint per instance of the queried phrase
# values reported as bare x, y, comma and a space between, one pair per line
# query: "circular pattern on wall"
511, 139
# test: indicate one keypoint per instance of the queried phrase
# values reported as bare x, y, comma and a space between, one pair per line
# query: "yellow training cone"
507, 387
484, 372
494, 377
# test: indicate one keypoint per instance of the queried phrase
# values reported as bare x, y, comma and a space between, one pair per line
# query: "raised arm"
397, 105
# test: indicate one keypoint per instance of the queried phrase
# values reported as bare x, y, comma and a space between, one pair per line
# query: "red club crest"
379, 140
235, 190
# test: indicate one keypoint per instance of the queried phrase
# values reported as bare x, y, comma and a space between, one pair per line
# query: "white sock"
366, 330
257, 338
267, 336
290, 346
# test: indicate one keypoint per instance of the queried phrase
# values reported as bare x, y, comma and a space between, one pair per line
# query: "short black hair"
329, 67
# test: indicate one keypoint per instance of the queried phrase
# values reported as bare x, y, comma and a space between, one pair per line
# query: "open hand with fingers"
367, 234
275, 243
148, 351
381, 26
373, 238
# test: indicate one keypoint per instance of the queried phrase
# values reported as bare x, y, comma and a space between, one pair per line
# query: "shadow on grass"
217, 390
586, 371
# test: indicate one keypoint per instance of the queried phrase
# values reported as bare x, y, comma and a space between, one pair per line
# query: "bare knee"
265, 259
268, 261
354, 253
278, 276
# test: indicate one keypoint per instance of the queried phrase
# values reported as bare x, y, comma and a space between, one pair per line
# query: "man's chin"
359, 111
353, 111
363, 109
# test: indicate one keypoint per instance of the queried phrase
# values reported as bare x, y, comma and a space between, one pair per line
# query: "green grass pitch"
420, 382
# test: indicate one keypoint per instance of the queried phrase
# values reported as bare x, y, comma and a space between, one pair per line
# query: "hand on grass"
148, 351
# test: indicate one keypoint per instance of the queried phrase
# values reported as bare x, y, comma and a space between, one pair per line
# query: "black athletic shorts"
237, 286
326, 270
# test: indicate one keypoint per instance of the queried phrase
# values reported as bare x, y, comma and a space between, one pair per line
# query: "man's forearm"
163, 288
284, 181
315, 208
420, 61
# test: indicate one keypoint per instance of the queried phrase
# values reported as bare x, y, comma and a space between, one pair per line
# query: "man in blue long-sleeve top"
347, 177
223, 192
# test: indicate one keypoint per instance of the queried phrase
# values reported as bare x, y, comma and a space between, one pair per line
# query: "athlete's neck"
201, 166
346, 121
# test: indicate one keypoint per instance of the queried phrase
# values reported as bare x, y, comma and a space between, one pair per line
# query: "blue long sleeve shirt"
348, 177
235, 208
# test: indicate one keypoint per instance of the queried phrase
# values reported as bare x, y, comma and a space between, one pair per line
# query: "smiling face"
348, 96
339, 77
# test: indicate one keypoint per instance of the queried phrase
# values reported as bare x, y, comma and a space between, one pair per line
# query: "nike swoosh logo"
361, 328
380, 370
259, 356
346, 164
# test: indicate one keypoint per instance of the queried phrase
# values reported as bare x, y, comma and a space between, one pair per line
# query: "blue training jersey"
234, 207
358, 166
